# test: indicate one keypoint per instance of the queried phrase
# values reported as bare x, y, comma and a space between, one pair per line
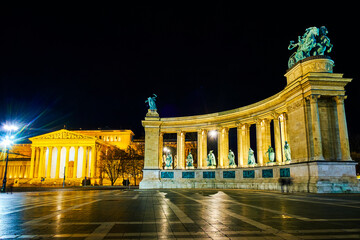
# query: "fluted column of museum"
316, 131
93, 162
259, 142
48, 170
277, 138
180, 149
202, 148
67, 161
161, 146
41, 172
32, 162
58, 162
84, 165
76, 161
343, 131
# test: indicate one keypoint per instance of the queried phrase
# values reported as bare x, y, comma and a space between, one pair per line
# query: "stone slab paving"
178, 214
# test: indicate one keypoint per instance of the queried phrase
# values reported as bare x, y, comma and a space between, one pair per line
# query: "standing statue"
211, 161
231, 158
314, 42
251, 157
287, 152
168, 161
270, 154
190, 161
151, 102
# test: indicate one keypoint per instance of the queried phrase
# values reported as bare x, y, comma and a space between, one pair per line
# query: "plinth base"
315, 177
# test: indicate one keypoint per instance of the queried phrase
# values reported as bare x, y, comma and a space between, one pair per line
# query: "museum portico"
308, 115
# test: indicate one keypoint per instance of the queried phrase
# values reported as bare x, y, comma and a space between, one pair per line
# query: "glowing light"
10, 127
213, 133
7, 141
166, 149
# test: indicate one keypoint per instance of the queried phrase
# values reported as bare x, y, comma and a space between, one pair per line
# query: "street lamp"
213, 133
6, 143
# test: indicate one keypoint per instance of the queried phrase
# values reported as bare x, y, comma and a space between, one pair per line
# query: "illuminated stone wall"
309, 114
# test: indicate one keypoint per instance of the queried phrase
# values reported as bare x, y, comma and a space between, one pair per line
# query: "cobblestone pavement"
178, 214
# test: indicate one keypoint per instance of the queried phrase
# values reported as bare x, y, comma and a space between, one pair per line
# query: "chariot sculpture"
314, 42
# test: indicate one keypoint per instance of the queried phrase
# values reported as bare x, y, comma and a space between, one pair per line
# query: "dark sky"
93, 66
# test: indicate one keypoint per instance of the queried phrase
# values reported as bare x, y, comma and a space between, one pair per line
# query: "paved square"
178, 214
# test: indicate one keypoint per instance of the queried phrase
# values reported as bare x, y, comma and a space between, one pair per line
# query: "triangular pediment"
61, 134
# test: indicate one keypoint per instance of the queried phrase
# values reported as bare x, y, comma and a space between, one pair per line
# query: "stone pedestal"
151, 179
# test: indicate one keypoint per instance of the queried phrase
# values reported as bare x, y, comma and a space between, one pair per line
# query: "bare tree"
135, 161
113, 163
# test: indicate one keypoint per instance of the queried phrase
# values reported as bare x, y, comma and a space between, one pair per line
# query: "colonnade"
263, 141
53, 161
330, 125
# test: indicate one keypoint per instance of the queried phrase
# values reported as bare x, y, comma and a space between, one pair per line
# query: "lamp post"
7, 142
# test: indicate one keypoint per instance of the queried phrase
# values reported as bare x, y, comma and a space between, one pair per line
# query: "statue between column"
190, 161
251, 158
168, 161
211, 160
270, 155
231, 158
287, 152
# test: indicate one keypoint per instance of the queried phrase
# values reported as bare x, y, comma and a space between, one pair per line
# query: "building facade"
63, 154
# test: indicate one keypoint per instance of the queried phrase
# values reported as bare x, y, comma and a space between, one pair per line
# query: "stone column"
180, 150
240, 144
84, 165
76, 161
93, 162
67, 162
58, 162
316, 131
277, 138
246, 141
266, 137
42, 163
152, 133
161, 146
32, 162
199, 149
223, 147
259, 142
282, 119
343, 131
202, 148
48, 170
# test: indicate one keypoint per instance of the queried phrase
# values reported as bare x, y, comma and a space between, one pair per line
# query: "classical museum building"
74, 155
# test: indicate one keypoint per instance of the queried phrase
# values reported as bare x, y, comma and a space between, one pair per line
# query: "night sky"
93, 66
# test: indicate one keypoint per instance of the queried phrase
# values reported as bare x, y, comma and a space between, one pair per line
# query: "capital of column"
282, 117
340, 99
313, 98
275, 115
